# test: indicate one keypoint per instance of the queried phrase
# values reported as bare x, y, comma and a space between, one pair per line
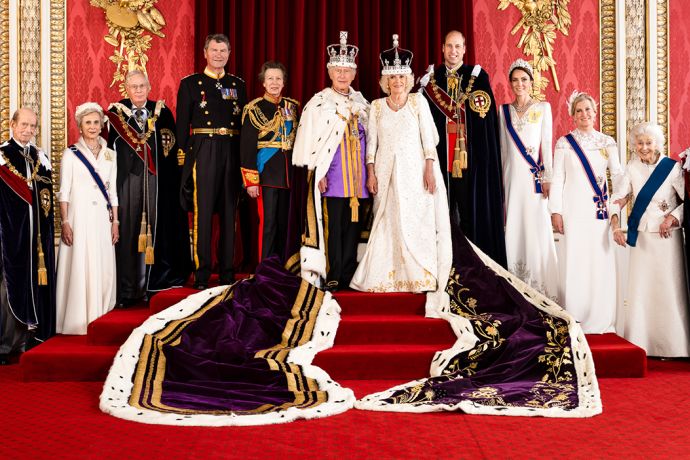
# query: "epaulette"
120, 107
235, 76
191, 75
293, 101
250, 106
476, 70
4, 144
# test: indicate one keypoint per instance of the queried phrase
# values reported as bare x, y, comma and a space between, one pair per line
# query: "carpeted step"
165, 299
616, 357
394, 329
67, 358
114, 327
380, 361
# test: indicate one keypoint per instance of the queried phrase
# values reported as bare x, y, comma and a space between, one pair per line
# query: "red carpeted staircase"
381, 336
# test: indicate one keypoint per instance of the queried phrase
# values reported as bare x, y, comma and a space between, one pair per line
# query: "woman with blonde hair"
655, 315
579, 211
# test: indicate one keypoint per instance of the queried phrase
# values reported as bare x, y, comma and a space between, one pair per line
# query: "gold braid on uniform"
274, 126
457, 100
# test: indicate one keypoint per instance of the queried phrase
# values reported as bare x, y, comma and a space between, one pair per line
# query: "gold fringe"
148, 258
42, 272
354, 206
459, 155
142, 233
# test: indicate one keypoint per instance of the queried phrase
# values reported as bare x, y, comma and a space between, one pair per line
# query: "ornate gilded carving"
636, 101
58, 92
128, 20
540, 21
608, 110
30, 57
4, 69
662, 88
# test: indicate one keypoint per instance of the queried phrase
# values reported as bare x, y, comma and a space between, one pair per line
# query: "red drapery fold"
296, 32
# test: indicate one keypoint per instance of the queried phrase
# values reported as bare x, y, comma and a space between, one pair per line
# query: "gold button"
210, 135
206, 112
208, 123
203, 92
199, 81
232, 123
233, 83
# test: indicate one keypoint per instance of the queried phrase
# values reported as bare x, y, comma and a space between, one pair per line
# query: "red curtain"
296, 32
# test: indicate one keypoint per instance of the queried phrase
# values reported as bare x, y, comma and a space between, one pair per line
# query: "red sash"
16, 183
128, 135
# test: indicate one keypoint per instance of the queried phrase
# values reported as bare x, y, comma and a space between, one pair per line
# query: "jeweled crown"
341, 54
520, 63
396, 61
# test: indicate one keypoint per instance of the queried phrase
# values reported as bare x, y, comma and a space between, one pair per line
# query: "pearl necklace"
395, 104
522, 108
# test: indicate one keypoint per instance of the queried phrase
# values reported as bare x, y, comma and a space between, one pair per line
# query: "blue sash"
600, 196
95, 177
266, 153
536, 168
658, 176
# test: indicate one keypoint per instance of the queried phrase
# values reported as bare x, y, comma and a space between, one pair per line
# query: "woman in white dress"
409, 248
655, 315
579, 210
86, 260
526, 130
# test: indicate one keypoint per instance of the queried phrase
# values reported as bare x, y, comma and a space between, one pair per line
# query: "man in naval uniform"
209, 118
27, 262
143, 132
464, 112
268, 132
331, 143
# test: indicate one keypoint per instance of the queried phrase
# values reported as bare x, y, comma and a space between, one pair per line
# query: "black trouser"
131, 269
342, 236
13, 334
275, 203
216, 179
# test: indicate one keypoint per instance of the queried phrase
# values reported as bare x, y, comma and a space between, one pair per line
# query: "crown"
396, 61
341, 54
520, 63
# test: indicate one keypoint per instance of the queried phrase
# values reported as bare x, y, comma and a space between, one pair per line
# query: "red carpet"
381, 336
643, 418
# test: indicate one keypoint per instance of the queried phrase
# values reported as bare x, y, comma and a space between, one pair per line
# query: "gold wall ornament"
58, 94
128, 20
540, 21
4, 70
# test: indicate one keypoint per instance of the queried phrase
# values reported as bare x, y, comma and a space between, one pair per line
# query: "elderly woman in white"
88, 208
578, 204
655, 315
409, 248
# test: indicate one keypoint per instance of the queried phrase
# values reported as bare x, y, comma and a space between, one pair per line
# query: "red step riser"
111, 330
386, 365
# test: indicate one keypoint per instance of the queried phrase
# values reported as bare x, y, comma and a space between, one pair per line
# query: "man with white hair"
27, 270
148, 180
331, 143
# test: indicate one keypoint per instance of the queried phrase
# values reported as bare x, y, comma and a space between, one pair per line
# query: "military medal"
225, 93
218, 85
203, 102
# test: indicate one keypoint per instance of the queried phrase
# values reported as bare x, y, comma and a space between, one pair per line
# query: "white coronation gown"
530, 246
86, 270
587, 263
409, 248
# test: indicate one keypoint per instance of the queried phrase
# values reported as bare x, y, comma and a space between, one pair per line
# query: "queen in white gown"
530, 247
579, 211
86, 259
655, 311
409, 248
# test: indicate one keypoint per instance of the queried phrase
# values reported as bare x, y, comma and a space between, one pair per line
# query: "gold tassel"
42, 272
148, 258
142, 233
459, 156
354, 206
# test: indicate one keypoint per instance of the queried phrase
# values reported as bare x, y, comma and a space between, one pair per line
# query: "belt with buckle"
218, 131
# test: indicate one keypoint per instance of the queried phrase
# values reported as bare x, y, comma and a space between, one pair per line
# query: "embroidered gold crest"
45, 201
168, 140
534, 116
604, 153
108, 156
480, 102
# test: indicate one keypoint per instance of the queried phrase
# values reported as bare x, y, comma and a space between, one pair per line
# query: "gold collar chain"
34, 174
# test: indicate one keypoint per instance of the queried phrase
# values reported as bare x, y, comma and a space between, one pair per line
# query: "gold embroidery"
45, 201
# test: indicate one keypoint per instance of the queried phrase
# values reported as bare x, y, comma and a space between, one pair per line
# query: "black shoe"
331, 286
124, 303
200, 285
4, 359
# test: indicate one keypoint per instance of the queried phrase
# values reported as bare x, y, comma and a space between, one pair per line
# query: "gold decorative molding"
30, 57
58, 91
608, 111
127, 21
4, 69
662, 65
636, 62
540, 21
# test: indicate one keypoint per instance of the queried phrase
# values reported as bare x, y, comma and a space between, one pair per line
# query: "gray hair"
88, 108
219, 38
647, 129
383, 83
134, 73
